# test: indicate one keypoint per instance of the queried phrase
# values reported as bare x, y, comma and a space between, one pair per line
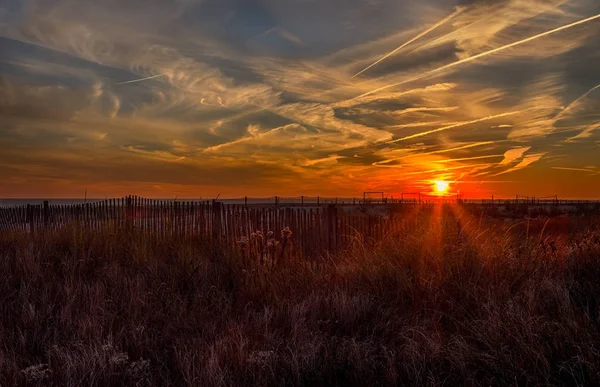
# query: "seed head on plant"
286, 233
36, 373
139, 370
119, 358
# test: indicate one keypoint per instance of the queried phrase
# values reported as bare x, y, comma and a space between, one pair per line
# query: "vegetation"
445, 302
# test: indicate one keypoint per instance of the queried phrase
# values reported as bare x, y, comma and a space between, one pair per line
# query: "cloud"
586, 133
161, 92
514, 154
527, 161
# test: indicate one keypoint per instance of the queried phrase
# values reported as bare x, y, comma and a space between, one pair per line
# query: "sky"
199, 98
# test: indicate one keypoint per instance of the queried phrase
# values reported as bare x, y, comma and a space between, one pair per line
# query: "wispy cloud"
586, 133
267, 96
527, 161
514, 154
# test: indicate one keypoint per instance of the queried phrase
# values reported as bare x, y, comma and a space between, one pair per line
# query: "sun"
441, 186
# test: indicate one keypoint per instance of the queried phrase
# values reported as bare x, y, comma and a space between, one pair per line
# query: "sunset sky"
194, 98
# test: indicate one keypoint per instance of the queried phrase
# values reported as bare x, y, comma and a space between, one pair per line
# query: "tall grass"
444, 303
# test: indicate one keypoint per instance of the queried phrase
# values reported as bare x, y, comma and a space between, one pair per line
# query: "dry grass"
444, 304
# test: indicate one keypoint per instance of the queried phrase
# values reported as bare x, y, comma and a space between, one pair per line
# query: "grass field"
444, 303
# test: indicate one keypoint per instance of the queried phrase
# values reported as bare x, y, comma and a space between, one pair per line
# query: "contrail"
455, 13
143, 79
466, 159
575, 103
574, 169
484, 54
415, 125
261, 34
436, 87
456, 126
467, 146
445, 169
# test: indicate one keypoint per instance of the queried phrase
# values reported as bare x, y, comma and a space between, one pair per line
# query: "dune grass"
440, 304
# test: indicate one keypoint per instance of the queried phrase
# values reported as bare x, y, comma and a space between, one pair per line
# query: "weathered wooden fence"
314, 229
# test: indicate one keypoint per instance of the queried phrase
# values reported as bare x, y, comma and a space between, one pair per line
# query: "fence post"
329, 216
128, 210
30, 218
216, 222
176, 219
46, 213
332, 230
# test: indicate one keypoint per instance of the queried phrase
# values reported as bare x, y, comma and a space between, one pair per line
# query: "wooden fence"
314, 230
